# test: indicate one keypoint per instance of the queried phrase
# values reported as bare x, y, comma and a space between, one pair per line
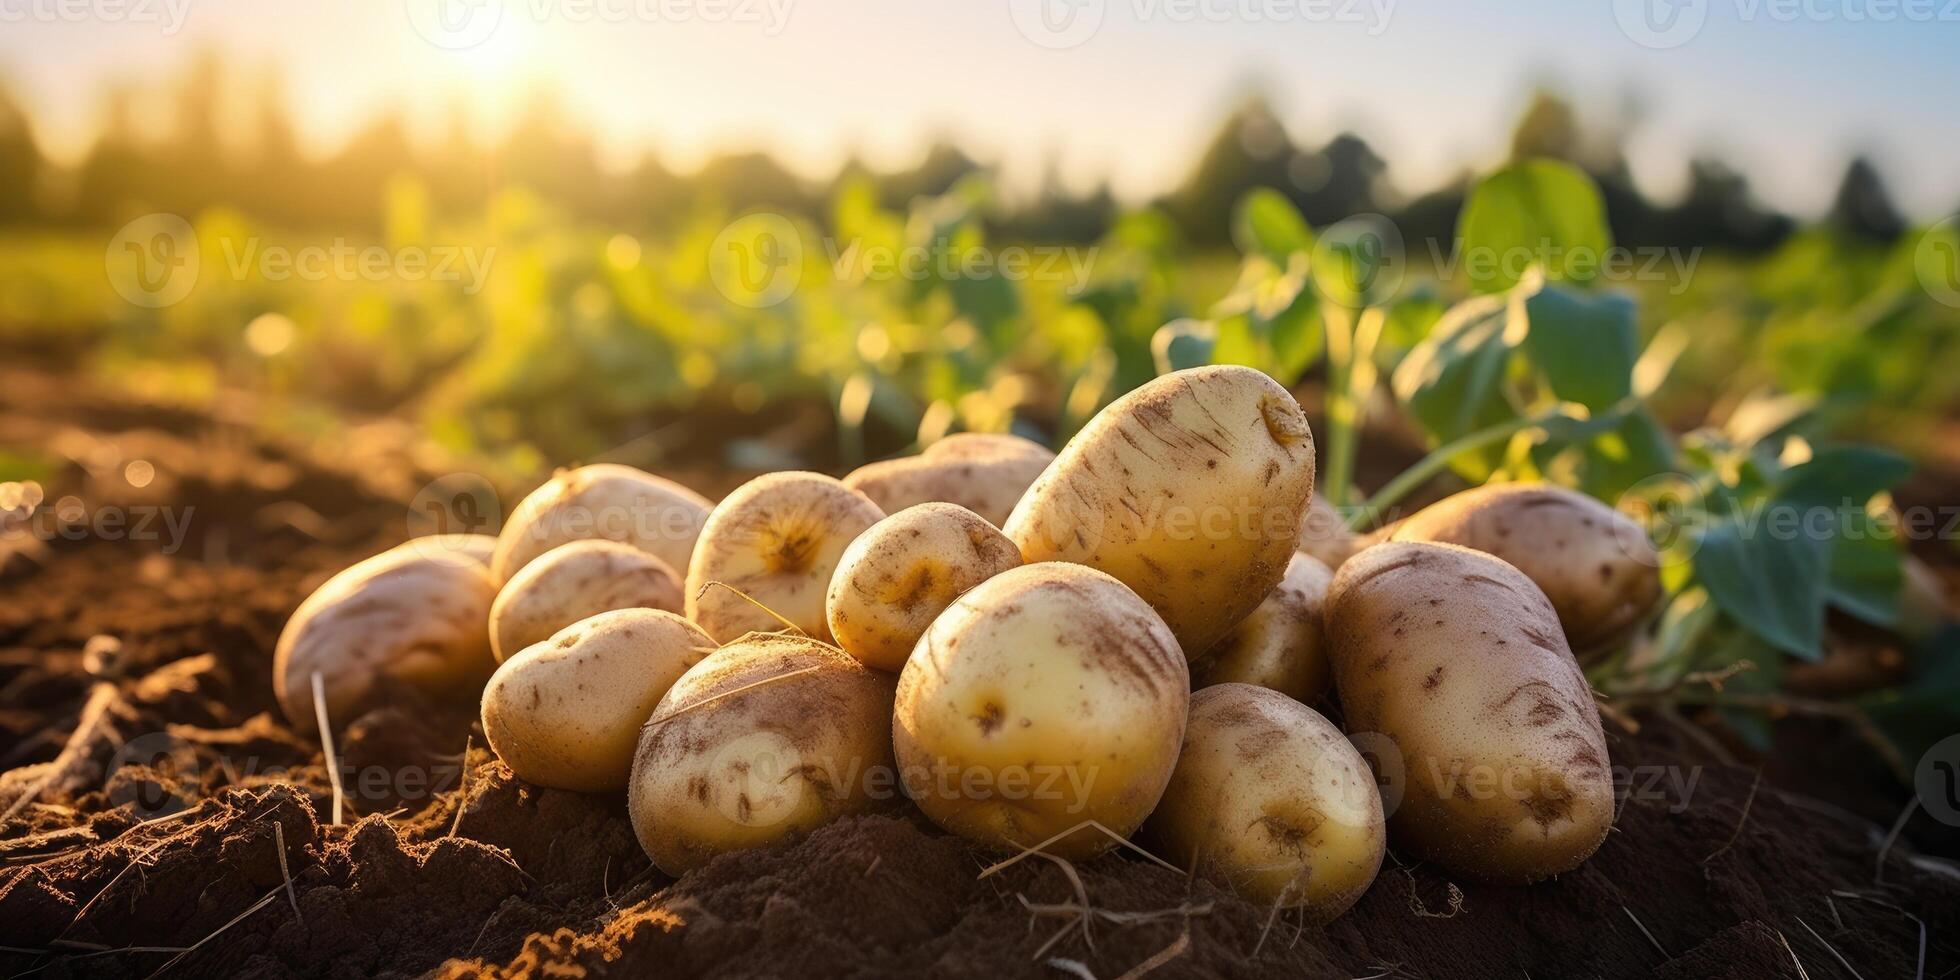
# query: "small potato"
1189, 490
767, 739
605, 501
897, 577
1324, 535
1594, 563
1048, 696
574, 581
406, 615
777, 540
567, 712
983, 472
1279, 646
1270, 800
1455, 660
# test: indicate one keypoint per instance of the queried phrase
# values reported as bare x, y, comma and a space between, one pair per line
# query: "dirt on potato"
193, 835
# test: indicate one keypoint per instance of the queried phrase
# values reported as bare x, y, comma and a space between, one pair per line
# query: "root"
101, 697
1747, 802
1096, 824
326, 744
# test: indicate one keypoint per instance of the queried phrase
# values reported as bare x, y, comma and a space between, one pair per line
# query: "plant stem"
1351, 375
1439, 459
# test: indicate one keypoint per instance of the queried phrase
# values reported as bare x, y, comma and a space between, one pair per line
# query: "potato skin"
567, 712
1270, 800
574, 581
1457, 659
1594, 563
606, 501
903, 572
407, 614
477, 548
766, 739
1048, 696
984, 472
1189, 490
1279, 646
777, 538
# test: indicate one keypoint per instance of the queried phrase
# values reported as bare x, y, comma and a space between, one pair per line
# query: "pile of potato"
1047, 651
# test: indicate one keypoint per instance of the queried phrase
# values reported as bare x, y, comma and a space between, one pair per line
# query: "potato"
1594, 563
574, 581
897, 577
567, 712
605, 501
404, 615
766, 739
1270, 800
1324, 535
1189, 490
1279, 646
983, 472
476, 548
1048, 696
776, 539
1457, 659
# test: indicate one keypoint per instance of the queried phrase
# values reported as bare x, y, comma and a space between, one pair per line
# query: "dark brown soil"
195, 836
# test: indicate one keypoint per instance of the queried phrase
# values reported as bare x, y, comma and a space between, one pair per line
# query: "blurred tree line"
262, 172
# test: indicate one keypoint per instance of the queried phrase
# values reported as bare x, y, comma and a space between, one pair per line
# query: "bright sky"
1785, 89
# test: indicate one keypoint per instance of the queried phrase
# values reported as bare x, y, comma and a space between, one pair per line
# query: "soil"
195, 834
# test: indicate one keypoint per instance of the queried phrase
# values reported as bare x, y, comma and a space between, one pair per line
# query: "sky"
1123, 90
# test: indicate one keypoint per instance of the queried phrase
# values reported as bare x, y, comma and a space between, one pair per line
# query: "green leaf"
1842, 477
1772, 583
1453, 382
1266, 223
1545, 211
1585, 345
1181, 344
1867, 572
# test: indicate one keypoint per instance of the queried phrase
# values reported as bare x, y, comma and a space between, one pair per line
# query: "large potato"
777, 540
1457, 659
574, 581
1048, 696
768, 738
1324, 535
567, 712
1189, 490
897, 577
1269, 799
408, 614
983, 472
1594, 563
1279, 646
606, 501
